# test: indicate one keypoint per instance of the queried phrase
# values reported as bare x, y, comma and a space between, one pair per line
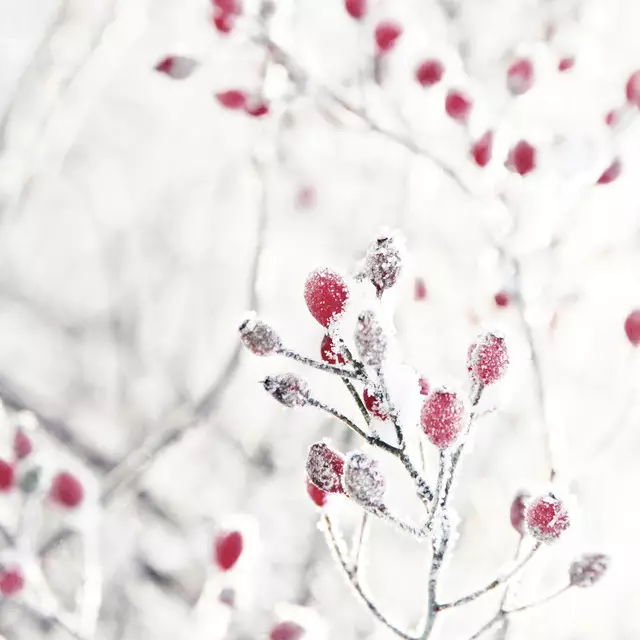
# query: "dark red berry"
420, 290
325, 467
632, 327
287, 631
520, 76
429, 72
612, 117
522, 158
176, 67
7, 476
633, 89
329, 353
288, 389
326, 294
232, 99
457, 105
489, 359
442, 417
588, 569
66, 490
518, 507
227, 549
502, 298
386, 35
482, 149
611, 173
22, 446
546, 518
566, 63
374, 403
259, 338
316, 494
11, 582
356, 8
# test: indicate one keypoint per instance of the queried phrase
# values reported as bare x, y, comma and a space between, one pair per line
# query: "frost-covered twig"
339, 371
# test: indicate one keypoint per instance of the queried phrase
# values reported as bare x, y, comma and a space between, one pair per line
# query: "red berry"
66, 490
383, 263
288, 389
223, 22
612, 117
259, 338
356, 8
256, 108
502, 298
287, 631
588, 569
610, 173
363, 481
232, 99
318, 496
442, 417
522, 158
457, 105
176, 67
420, 290
633, 89
7, 476
11, 582
518, 507
566, 63
22, 445
520, 76
325, 293
227, 6
482, 149
632, 327
424, 386
386, 35
227, 549
374, 403
329, 353
546, 518
325, 467
488, 360
370, 339
429, 72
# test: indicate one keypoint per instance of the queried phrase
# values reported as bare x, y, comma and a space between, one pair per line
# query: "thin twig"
310, 362
531, 605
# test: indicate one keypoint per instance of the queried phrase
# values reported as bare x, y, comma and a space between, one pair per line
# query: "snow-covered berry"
632, 327
326, 295
356, 8
259, 337
565, 64
383, 263
420, 290
546, 517
502, 298
22, 445
363, 481
522, 158
520, 76
489, 359
287, 630
482, 149
329, 352
611, 173
386, 34
633, 89
442, 417
66, 490
176, 67
516, 514
325, 467
227, 549
429, 72
11, 582
316, 494
370, 339
232, 99
287, 388
7, 476
457, 105
588, 569
374, 403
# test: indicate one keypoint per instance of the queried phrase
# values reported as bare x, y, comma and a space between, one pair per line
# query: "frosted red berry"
66, 490
520, 76
386, 35
522, 158
325, 467
489, 359
22, 445
7, 476
374, 403
632, 327
227, 549
316, 494
259, 337
370, 339
516, 514
356, 8
363, 481
482, 149
176, 67
232, 99
633, 89
429, 72
546, 518
502, 298
11, 582
383, 263
588, 569
326, 295
565, 64
288, 389
611, 173
425, 388
329, 352
457, 105
420, 290
287, 631
442, 417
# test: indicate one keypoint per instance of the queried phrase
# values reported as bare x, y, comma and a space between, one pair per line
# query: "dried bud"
383, 263
325, 467
546, 518
518, 507
488, 359
259, 337
442, 417
588, 569
363, 481
370, 339
288, 389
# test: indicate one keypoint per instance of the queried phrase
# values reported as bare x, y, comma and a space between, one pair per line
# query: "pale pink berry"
482, 149
612, 117
356, 8
502, 298
363, 481
516, 515
288, 389
374, 403
520, 76
66, 490
287, 631
420, 290
386, 35
588, 569
370, 339
22, 446
176, 67
565, 64
425, 388
329, 352
259, 338
227, 549
546, 518
633, 89
442, 417
489, 359
326, 294
325, 467
522, 158
7, 476
316, 494
611, 173
306, 197
232, 99
11, 582
457, 105
632, 327
429, 72
382, 264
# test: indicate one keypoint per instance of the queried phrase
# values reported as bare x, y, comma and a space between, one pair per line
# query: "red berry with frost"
420, 290
356, 8
588, 569
316, 494
232, 99
11, 582
382, 263
223, 22
518, 507
520, 76
425, 388
326, 294
363, 481
386, 35
522, 158
457, 105
325, 467
227, 549
566, 64
66, 490
259, 338
287, 631
611, 173
442, 417
374, 403
22, 446
370, 339
429, 72
633, 89
7, 476
329, 352
489, 359
288, 389
632, 327
176, 67
482, 149
612, 117
502, 299
546, 518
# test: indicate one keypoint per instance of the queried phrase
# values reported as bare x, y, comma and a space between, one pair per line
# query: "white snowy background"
139, 220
